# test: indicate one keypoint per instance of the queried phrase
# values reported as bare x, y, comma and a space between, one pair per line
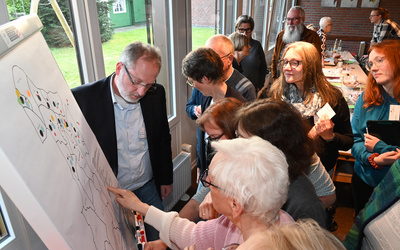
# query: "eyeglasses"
230, 246
203, 180
139, 84
248, 30
210, 139
222, 57
377, 62
294, 19
373, 15
189, 83
293, 63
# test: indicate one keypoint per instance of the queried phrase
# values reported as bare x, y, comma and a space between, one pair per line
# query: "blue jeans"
148, 194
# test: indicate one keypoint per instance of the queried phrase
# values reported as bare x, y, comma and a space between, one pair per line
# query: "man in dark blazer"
127, 113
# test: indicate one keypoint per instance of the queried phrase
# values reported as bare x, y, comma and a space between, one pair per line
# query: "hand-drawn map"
54, 152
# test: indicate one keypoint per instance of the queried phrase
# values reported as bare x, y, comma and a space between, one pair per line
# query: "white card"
326, 109
394, 113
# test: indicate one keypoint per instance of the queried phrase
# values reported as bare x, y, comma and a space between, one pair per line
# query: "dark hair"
383, 12
203, 62
282, 125
223, 113
244, 19
373, 94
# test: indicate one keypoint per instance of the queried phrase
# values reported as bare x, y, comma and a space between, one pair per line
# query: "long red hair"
373, 94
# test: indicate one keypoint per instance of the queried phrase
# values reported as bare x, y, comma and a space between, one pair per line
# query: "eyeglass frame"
211, 139
203, 180
284, 63
371, 64
151, 86
294, 19
248, 30
189, 83
225, 56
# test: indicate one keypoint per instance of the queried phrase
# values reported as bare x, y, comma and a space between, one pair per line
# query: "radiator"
182, 180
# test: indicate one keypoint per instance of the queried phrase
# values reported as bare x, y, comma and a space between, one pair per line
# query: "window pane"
205, 21
54, 34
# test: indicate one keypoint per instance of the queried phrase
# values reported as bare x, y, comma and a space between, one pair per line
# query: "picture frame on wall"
370, 3
349, 3
328, 3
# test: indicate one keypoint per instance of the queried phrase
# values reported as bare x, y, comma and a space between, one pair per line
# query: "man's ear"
205, 80
119, 68
236, 207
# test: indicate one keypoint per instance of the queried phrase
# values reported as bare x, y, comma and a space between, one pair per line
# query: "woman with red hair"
373, 156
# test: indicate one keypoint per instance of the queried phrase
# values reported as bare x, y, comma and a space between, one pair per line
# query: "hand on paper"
324, 128
129, 200
388, 158
370, 142
165, 191
197, 110
155, 245
206, 209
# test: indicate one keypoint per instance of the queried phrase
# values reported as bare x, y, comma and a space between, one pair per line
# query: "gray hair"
257, 180
325, 21
137, 50
239, 40
301, 11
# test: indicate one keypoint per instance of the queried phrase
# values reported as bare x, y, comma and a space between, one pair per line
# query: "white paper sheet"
59, 173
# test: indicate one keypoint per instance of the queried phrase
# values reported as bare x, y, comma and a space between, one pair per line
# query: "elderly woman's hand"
129, 200
324, 128
370, 142
155, 245
206, 209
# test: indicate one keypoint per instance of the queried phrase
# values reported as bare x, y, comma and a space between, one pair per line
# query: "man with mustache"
127, 113
294, 31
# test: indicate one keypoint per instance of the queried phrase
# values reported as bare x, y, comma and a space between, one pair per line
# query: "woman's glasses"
377, 62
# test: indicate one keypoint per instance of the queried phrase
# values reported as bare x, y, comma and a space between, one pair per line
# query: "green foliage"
106, 30
52, 30
17, 8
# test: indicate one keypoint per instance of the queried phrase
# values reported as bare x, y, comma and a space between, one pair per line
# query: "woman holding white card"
373, 156
304, 85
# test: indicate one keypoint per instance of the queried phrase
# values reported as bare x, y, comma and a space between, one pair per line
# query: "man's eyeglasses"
293, 63
248, 30
151, 86
377, 62
222, 57
373, 15
203, 180
294, 19
210, 139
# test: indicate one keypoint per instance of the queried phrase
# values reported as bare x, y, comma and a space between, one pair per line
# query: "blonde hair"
301, 235
312, 76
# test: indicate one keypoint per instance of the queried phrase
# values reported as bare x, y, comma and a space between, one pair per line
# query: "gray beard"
290, 36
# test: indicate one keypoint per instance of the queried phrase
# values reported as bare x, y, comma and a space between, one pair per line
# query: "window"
119, 6
205, 21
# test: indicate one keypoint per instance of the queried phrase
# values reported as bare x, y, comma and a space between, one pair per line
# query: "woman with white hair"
248, 188
325, 26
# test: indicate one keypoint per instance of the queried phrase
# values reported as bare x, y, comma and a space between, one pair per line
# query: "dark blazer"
96, 104
205, 103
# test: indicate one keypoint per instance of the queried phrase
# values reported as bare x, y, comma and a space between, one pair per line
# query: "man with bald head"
294, 31
225, 49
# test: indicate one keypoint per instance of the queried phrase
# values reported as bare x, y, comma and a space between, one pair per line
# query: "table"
351, 79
